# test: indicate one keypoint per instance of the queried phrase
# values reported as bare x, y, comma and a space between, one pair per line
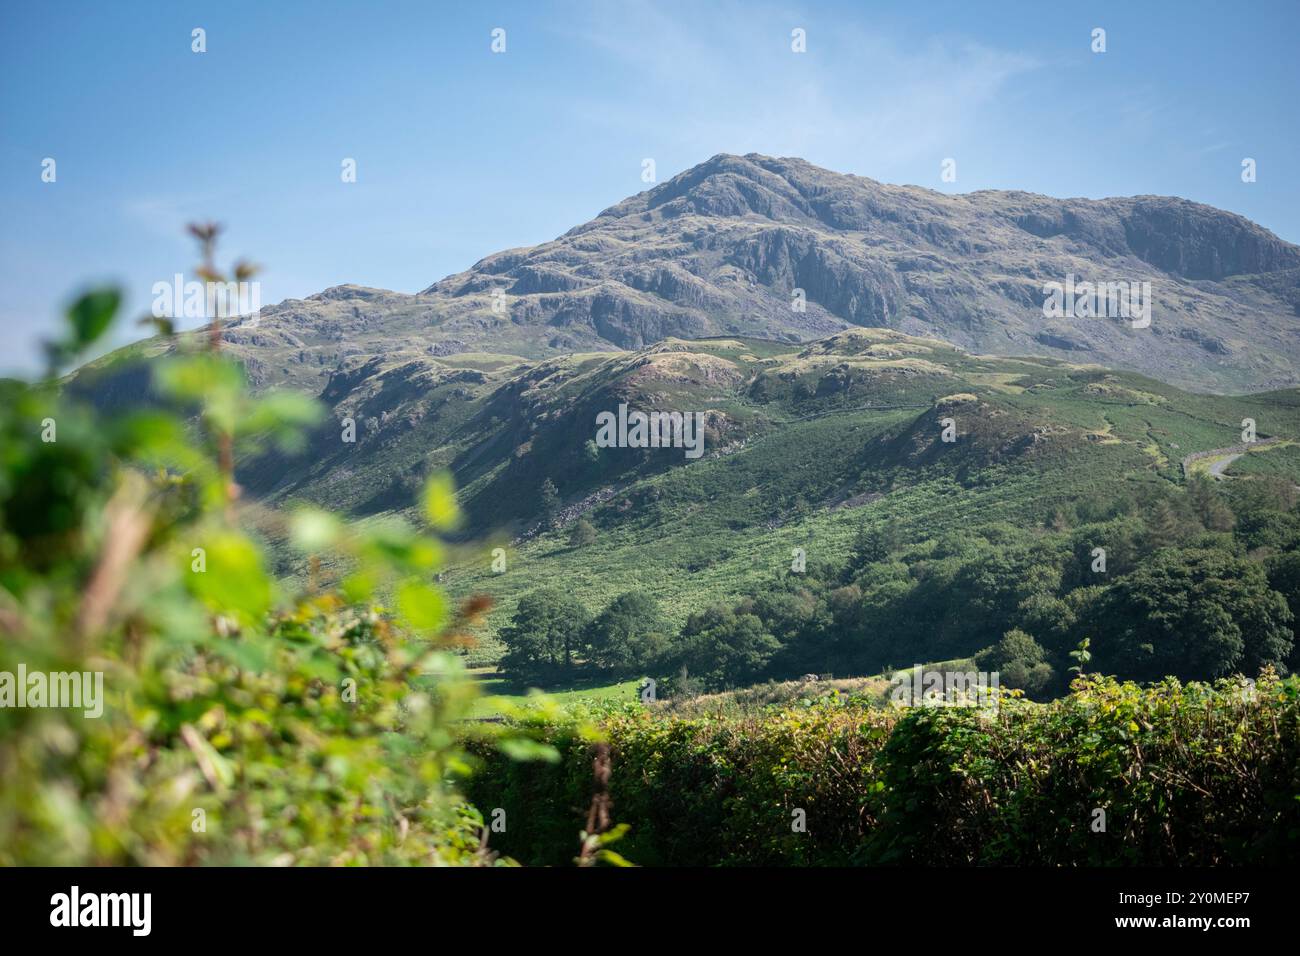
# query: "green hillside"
806, 449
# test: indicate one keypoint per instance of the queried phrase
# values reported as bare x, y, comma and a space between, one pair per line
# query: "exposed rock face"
1199, 242
723, 248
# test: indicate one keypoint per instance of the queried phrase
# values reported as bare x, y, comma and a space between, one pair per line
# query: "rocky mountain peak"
782, 249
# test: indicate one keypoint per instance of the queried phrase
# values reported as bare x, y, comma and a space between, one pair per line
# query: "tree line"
1195, 583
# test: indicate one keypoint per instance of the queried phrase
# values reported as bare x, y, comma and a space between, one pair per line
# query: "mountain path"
1223, 457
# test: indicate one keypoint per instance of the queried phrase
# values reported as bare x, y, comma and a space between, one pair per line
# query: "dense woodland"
1196, 584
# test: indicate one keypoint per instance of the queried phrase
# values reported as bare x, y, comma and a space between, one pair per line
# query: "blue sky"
461, 152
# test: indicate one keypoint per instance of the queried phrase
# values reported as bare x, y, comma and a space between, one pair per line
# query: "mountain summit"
782, 249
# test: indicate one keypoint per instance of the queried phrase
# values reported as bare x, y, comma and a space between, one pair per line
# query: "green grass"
499, 694
1280, 460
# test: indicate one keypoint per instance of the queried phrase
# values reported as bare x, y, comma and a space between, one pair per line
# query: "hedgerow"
1113, 773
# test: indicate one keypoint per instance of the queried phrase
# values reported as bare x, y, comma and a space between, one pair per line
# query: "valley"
790, 317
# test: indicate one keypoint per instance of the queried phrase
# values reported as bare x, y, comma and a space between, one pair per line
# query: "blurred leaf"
524, 748
283, 416
440, 507
92, 314
249, 653
422, 607
142, 433
393, 542
313, 530
235, 579
200, 377
358, 588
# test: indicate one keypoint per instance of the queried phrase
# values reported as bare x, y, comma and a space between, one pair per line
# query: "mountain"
721, 248
814, 423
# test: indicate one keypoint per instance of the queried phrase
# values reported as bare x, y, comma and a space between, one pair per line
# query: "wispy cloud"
853, 94
164, 217
1212, 148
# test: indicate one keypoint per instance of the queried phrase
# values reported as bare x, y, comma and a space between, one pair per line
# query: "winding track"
1223, 457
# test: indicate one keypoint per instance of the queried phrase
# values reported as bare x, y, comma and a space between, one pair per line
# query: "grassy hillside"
804, 466
803, 445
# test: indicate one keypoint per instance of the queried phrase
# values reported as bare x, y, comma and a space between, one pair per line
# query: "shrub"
1190, 774
240, 724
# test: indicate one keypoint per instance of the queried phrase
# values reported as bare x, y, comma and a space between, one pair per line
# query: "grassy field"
500, 694
1278, 460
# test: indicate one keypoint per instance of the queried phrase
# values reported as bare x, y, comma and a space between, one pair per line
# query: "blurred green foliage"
241, 724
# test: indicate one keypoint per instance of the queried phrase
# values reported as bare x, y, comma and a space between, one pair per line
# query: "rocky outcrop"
781, 249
